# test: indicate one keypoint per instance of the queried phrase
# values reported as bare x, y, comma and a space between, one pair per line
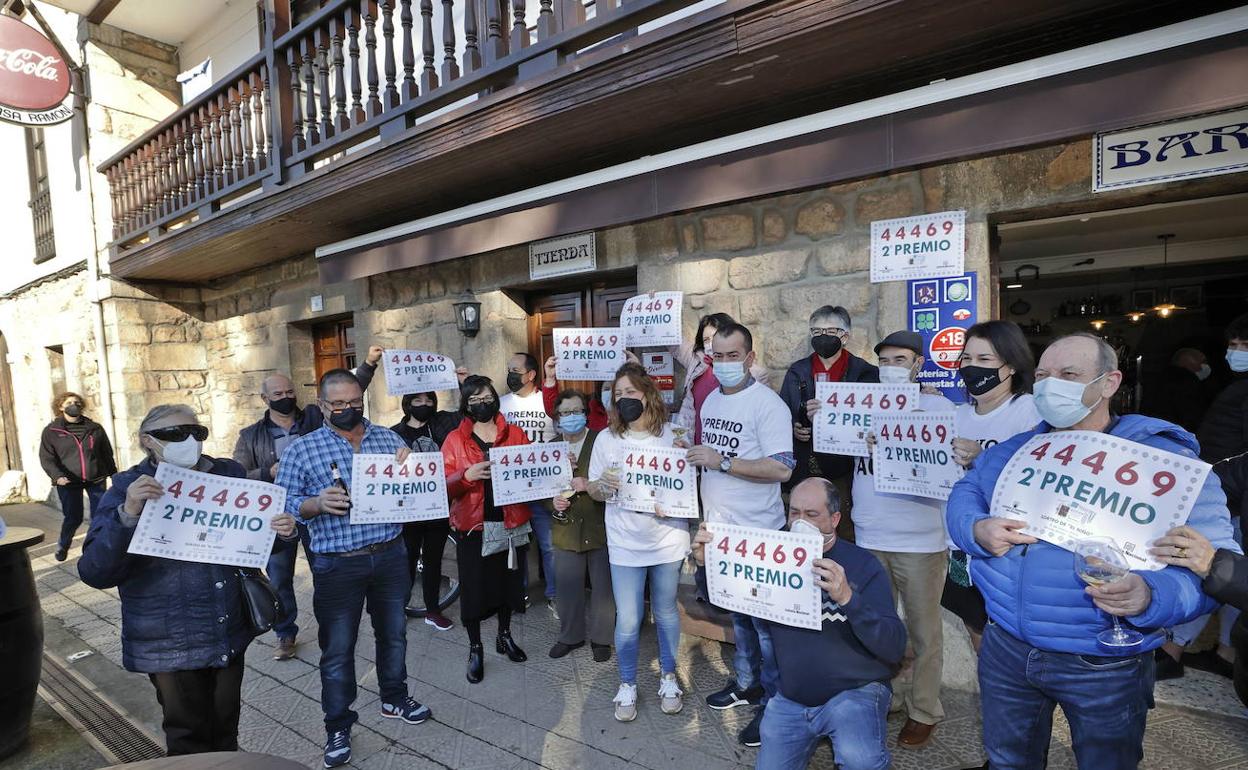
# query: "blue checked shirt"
304, 472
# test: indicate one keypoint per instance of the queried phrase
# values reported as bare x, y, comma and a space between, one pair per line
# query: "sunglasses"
179, 433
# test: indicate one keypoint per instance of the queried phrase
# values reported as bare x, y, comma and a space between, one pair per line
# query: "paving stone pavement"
558, 713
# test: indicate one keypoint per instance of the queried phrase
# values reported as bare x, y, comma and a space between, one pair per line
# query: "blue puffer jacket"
175, 615
1032, 591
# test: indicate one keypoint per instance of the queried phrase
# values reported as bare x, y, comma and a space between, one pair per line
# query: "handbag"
495, 536
260, 601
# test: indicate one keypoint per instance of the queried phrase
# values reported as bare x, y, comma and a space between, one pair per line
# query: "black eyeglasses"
179, 432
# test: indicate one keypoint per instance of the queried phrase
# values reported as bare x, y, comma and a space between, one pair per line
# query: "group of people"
1030, 619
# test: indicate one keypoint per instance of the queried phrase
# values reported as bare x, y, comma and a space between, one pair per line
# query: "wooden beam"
102, 9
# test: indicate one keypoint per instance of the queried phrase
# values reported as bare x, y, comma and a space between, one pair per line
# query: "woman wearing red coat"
488, 585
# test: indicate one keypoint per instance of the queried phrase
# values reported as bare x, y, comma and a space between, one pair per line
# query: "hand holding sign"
588, 354
521, 474
913, 454
416, 371
658, 480
843, 416
388, 490
764, 573
652, 320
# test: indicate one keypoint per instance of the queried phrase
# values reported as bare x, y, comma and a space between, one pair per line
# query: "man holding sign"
1041, 648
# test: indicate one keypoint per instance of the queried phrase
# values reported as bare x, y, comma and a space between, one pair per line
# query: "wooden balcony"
372, 113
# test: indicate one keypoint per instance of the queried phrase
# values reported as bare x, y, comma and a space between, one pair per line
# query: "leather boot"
507, 646
476, 663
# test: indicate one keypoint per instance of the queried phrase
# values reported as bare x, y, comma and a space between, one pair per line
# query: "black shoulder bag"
260, 600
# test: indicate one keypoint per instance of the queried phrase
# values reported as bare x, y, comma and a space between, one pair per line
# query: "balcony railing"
354, 71
41, 217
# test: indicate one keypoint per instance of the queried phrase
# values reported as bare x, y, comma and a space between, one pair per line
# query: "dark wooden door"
333, 344
595, 306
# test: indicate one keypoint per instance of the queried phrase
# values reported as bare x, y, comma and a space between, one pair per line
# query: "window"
40, 195
56, 368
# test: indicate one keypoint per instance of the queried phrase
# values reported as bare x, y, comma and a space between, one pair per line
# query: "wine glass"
1099, 561
679, 428
567, 493
613, 472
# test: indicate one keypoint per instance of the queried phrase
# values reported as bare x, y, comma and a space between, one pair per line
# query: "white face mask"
730, 373
1238, 359
894, 375
803, 527
1060, 402
1204, 372
184, 453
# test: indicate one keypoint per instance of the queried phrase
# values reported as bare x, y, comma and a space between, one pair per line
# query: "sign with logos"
844, 420
415, 371
1072, 485
914, 454
652, 320
34, 77
1207, 145
926, 246
662, 370
765, 573
658, 477
386, 492
210, 519
567, 255
588, 354
941, 310
521, 474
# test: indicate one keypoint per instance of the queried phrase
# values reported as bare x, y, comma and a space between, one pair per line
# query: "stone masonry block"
852, 294
841, 256
768, 269
702, 276
774, 228
884, 204
820, 218
177, 356
728, 232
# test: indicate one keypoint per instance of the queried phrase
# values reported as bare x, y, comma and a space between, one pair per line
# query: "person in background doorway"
76, 454
1224, 431
1180, 394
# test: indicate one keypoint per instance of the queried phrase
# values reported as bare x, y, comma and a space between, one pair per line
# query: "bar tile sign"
926, 246
1207, 145
566, 255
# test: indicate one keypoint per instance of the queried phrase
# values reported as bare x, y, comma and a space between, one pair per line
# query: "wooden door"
333, 345
595, 306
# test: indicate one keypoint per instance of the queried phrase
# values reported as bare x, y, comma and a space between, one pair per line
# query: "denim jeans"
71, 509
754, 660
1105, 700
540, 519
341, 587
855, 721
281, 572
629, 585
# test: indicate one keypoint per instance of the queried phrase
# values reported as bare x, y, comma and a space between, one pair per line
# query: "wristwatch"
725, 464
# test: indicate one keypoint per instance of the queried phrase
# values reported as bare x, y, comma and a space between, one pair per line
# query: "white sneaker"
669, 695
626, 703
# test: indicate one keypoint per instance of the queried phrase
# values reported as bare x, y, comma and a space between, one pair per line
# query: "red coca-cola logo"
33, 76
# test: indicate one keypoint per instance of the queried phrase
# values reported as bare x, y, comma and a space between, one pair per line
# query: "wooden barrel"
21, 637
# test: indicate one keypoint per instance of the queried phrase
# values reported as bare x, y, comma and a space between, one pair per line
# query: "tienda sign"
34, 78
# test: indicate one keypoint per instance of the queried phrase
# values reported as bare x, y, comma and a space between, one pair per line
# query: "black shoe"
560, 649
730, 696
507, 646
1210, 661
1167, 667
61, 553
749, 736
602, 652
476, 663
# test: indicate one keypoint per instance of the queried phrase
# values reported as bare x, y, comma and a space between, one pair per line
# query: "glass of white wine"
679, 428
613, 473
567, 493
1099, 561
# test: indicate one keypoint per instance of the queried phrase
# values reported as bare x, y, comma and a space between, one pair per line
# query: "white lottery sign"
386, 492
926, 246
1071, 485
914, 454
765, 573
210, 519
658, 476
842, 423
520, 474
415, 371
652, 320
588, 354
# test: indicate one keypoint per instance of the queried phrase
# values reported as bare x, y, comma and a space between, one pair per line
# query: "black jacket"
1233, 473
1228, 583
799, 375
1178, 396
84, 461
438, 428
1224, 431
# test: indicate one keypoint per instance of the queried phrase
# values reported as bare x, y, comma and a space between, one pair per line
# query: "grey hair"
1106, 356
335, 377
833, 311
159, 413
830, 490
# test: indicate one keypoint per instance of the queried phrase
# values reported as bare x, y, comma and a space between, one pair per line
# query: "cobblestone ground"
558, 713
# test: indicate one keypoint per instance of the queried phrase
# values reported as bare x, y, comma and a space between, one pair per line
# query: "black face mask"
629, 409
420, 413
483, 412
826, 345
980, 379
515, 381
73, 410
347, 419
283, 405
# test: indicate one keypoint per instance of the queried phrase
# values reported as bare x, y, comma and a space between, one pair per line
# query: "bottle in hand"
338, 482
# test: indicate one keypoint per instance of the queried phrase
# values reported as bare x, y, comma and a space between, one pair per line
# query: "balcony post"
278, 92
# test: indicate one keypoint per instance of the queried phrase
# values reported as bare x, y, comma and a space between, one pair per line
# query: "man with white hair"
1040, 648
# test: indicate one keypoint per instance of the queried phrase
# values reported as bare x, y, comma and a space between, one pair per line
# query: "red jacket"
598, 419
461, 452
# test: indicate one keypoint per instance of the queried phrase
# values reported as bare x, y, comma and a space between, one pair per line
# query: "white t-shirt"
898, 523
636, 539
751, 424
529, 414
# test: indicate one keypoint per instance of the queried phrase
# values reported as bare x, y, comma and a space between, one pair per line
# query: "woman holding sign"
182, 622
487, 583
639, 545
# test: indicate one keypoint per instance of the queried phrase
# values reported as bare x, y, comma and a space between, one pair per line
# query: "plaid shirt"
304, 472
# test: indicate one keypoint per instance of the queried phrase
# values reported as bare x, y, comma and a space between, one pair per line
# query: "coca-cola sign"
34, 78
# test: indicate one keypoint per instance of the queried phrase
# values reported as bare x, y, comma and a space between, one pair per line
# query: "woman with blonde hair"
639, 545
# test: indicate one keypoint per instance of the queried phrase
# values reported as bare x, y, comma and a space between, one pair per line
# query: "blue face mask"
1238, 359
730, 373
572, 424
1060, 402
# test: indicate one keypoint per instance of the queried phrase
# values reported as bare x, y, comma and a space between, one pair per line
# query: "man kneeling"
834, 682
